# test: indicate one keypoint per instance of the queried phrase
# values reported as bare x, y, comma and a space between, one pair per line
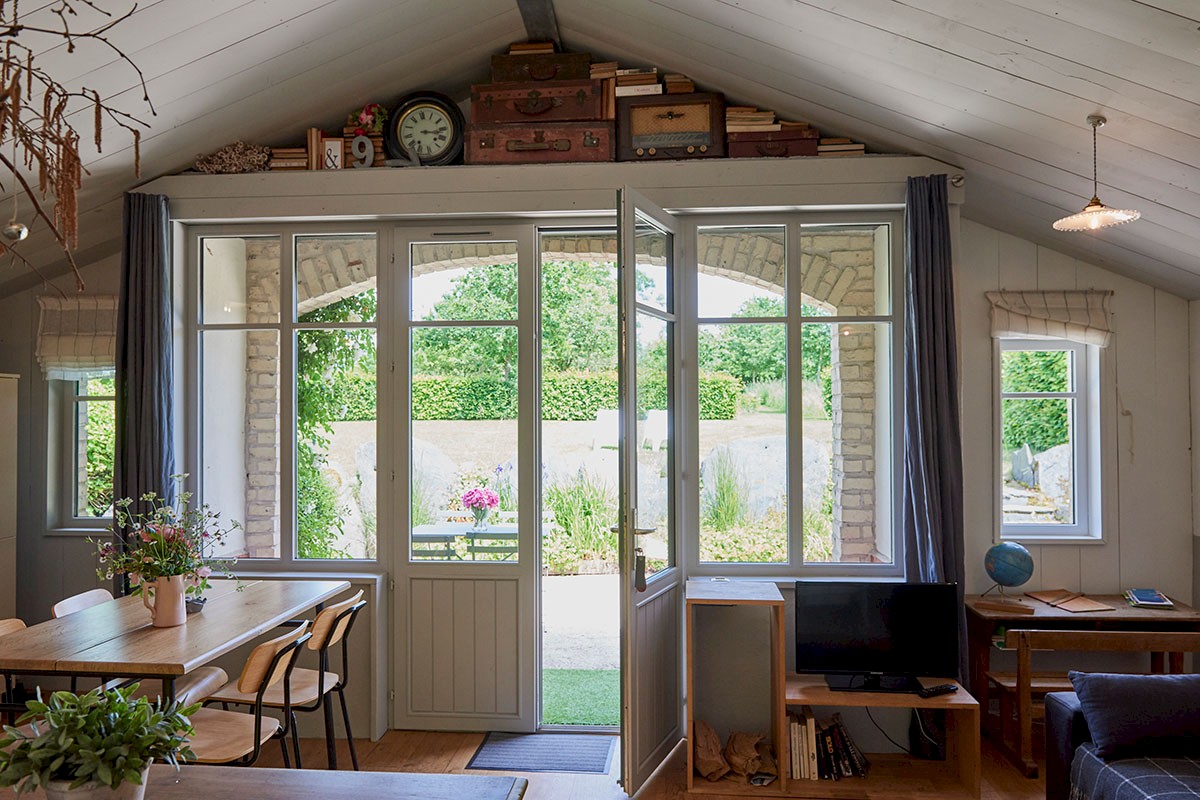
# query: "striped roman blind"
77, 336
1077, 316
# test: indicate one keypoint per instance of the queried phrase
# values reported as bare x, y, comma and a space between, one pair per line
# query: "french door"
651, 583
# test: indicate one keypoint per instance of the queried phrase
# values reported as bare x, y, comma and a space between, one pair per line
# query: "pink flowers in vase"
480, 500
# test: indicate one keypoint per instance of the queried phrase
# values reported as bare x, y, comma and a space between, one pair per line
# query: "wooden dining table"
189, 782
116, 639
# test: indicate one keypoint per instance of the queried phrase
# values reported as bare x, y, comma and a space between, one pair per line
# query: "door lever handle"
636, 531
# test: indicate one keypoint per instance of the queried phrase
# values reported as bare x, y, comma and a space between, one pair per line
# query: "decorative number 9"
363, 150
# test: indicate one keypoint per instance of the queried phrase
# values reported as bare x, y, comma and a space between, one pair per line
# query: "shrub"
725, 501
1041, 424
584, 511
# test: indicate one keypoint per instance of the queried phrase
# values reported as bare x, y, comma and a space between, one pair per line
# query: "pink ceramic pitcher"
167, 608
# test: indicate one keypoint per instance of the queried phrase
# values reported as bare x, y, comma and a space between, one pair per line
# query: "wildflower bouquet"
168, 540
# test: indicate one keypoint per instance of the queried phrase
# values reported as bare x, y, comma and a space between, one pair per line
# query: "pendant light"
1095, 215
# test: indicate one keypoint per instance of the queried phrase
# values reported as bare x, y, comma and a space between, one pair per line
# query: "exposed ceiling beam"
540, 23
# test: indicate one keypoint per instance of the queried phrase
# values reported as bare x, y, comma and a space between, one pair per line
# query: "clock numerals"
426, 125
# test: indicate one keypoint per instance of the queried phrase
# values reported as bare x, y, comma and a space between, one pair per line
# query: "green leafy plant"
105, 738
725, 505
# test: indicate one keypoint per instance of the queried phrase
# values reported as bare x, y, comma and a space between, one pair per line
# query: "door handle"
636, 531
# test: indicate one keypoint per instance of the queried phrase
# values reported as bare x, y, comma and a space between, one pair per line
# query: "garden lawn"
581, 697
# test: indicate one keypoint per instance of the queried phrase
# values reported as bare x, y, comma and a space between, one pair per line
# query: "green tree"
1039, 423
323, 359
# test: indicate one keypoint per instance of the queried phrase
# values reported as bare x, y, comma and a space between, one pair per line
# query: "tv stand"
892, 775
874, 682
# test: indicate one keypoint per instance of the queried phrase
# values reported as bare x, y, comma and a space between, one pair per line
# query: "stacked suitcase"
540, 108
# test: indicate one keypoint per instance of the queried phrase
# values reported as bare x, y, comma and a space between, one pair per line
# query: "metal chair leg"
349, 735
296, 741
287, 762
330, 741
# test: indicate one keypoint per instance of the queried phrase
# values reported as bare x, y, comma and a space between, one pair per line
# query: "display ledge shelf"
812, 690
891, 776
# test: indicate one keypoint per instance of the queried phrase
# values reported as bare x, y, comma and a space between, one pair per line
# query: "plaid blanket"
1133, 778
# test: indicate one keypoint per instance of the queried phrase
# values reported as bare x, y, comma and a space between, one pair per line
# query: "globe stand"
1003, 602
1008, 564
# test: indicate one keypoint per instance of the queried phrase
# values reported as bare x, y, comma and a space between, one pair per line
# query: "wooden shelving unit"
891, 775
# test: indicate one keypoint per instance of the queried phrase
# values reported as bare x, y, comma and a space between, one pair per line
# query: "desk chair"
309, 687
236, 738
8, 626
78, 602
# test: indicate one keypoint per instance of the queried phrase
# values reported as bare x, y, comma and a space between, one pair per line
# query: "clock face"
427, 126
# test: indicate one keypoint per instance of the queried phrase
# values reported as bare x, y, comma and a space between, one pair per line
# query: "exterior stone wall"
837, 274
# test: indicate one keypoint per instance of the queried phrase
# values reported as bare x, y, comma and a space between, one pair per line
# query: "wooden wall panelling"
1170, 446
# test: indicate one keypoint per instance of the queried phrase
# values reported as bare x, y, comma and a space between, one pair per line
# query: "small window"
1049, 440
90, 435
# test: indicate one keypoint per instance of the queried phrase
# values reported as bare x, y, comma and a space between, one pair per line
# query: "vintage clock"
426, 126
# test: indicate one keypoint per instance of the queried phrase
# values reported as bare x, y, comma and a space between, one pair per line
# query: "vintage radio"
656, 127
551, 101
776, 144
541, 67
539, 144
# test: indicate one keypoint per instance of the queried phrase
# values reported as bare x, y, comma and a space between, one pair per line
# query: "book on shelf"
810, 742
836, 140
647, 88
678, 84
625, 71
832, 770
737, 128
530, 48
603, 69
859, 763
636, 80
1147, 598
796, 764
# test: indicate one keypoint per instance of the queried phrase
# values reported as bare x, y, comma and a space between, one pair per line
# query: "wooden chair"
78, 602
309, 687
8, 705
236, 738
1028, 688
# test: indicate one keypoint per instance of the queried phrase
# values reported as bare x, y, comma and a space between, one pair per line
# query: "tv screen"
896, 630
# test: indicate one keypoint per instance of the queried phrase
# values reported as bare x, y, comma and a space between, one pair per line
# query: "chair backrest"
333, 621
78, 602
268, 662
11, 625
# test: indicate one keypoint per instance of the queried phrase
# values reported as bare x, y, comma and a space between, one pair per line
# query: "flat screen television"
877, 636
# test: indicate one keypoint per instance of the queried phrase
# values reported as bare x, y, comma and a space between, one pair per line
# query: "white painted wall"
1145, 433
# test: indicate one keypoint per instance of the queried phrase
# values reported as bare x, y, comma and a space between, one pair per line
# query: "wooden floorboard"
431, 751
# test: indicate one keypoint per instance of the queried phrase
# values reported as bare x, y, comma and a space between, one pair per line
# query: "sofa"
1124, 737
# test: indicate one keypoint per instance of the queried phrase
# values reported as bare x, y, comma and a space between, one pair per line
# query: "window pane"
1038, 461
742, 271
464, 281
239, 436
847, 443
743, 443
464, 444
845, 270
655, 490
95, 436
1036, 370
335, 278
335, 443
654, 278
239, 279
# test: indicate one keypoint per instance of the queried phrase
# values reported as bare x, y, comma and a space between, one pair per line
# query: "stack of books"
606, 73
285, 158
823, 749
316, 150
746, 119
602, 70
530, 48
678, 84
840, 146
638, 80
799, 127
1147, 598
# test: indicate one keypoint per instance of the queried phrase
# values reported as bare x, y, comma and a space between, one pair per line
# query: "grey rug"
544, 752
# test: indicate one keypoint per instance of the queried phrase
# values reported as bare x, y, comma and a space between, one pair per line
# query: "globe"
1008, 564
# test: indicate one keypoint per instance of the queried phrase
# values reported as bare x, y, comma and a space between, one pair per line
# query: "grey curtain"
933, 493
145, 454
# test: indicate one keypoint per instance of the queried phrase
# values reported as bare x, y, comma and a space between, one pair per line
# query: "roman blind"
1083, 316
77, 336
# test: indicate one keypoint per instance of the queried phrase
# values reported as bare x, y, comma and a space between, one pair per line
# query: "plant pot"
58, 790
165, 599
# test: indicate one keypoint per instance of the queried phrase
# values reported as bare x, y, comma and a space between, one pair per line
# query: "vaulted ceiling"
1000, 88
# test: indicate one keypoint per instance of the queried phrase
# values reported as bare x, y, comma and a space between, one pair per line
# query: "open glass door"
651, 585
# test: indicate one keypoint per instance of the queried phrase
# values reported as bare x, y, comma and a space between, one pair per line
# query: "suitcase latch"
590, 140
487, 141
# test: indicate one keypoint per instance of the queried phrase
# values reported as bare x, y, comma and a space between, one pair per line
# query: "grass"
581, 697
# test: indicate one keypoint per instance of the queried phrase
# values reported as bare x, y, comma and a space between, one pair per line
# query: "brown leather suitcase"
773, 144
657, 127
539, 144
541, 67
531, 102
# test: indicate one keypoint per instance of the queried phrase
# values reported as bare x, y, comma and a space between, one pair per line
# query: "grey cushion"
1140, 715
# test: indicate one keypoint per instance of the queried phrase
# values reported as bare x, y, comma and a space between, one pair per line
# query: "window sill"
79, 532
1044, 540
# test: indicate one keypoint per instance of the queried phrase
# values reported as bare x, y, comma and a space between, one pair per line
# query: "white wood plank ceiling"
999, 87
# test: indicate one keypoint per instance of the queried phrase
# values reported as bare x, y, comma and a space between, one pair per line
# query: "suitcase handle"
539, 143
772, 149
532, 71
536, 104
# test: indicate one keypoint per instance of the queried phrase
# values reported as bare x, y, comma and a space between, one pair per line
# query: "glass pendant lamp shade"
1096, 215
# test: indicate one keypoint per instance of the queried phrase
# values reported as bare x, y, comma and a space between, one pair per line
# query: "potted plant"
164, 552
92, 746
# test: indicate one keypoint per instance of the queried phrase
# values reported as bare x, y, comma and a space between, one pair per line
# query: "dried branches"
35, 110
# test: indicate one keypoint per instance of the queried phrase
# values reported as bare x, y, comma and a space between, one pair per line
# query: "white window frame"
64, 400
1085, 439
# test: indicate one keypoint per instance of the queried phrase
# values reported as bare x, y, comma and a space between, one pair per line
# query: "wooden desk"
117, 640
309, 784
983, 623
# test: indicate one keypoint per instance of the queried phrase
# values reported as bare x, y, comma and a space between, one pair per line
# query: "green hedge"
565, 396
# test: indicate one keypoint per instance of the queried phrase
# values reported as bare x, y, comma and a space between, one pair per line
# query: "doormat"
544, 752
